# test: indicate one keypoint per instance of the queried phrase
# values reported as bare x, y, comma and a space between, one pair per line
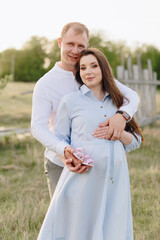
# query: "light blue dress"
95, 205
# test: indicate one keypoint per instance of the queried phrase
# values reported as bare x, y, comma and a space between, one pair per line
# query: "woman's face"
90, 71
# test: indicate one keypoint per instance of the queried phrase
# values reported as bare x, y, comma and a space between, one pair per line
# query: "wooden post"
144, 83
147, 95
153, 88
120, 72
138, 115
140, 87
129, 67
12, 67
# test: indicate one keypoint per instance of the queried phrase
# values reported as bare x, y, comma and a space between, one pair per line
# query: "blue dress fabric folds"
95, 205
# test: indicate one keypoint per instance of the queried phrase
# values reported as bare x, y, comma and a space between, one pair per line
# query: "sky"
135, 22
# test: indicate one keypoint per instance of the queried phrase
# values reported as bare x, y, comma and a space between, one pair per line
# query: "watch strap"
124, 114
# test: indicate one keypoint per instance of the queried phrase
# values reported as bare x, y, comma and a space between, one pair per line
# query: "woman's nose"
88, 71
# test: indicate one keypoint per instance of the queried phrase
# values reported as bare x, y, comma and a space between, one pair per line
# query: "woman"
95, 205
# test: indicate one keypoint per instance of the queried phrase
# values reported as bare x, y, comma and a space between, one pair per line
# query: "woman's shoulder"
70, 97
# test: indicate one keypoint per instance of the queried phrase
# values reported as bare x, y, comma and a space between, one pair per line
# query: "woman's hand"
72, 163
116, 125
101, 132
125, 137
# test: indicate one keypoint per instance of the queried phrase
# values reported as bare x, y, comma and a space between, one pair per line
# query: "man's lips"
73, 57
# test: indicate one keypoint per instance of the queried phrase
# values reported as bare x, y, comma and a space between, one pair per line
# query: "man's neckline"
69, 73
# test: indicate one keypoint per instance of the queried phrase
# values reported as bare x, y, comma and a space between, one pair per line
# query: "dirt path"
8, 131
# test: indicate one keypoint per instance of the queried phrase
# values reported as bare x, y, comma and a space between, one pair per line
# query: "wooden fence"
144, 82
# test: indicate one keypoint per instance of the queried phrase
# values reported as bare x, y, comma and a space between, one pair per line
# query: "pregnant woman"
95, 205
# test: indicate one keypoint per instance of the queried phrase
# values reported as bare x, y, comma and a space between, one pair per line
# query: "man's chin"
73, 60
73, 63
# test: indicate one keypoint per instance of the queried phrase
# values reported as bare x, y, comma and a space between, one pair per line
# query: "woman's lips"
89, 78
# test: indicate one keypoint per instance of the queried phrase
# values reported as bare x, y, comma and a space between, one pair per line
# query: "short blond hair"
79, 28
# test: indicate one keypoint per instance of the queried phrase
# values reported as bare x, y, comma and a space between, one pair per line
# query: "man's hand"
112, 128
72, 163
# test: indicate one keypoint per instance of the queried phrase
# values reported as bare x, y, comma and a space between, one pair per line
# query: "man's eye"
70, 44
81, 47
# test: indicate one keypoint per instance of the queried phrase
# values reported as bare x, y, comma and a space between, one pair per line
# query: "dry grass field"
15, 104
24, 197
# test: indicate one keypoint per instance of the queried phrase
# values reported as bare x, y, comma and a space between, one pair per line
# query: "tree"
53, 53
149, 52
5, 61
29, 64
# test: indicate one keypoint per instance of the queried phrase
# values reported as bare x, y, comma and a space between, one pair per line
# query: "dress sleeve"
134, 144
131, 106
62, 128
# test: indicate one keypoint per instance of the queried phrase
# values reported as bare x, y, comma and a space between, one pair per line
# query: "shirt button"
101, 106
105, 116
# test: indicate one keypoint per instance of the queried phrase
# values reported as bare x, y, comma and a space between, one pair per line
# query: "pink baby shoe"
86, 160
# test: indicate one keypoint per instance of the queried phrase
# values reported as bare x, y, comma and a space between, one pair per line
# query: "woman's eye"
95, 65
82, 68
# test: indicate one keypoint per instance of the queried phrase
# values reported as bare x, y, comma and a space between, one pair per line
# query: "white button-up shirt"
46, 97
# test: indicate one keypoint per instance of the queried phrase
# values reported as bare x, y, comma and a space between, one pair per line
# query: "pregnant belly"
102, 151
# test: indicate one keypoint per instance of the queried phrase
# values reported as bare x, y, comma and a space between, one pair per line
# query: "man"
48, 92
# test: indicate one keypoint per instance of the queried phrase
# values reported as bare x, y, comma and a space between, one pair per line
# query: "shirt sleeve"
62, 128
41, 112
131, 106
134, 144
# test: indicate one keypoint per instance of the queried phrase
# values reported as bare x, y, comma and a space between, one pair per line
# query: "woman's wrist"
126, 137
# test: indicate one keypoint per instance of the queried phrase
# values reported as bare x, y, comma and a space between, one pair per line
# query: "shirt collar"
84, 90
59, 69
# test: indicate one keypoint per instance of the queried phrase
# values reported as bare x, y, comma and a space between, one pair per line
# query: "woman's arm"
129, 141
62, 130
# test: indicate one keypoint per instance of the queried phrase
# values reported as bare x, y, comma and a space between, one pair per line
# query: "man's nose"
75, 50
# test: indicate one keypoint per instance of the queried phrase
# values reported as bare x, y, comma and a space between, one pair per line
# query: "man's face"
71, 46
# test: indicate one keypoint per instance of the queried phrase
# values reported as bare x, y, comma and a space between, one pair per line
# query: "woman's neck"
99, 93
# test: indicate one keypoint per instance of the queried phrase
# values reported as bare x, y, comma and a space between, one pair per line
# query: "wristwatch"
124, 114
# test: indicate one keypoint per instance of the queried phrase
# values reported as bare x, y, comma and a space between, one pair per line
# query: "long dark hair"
109, 85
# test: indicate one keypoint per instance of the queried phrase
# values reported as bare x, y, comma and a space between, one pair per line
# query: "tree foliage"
149, 52
5, 61
39, 55
29, 63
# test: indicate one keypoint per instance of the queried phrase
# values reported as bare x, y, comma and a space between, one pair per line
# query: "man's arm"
117, 122
131, 106
41, 112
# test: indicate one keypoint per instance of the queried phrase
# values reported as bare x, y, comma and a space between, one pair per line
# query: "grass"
24, 196
144, 168
15, 104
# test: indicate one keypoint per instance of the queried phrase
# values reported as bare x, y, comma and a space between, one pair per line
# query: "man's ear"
59, 42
